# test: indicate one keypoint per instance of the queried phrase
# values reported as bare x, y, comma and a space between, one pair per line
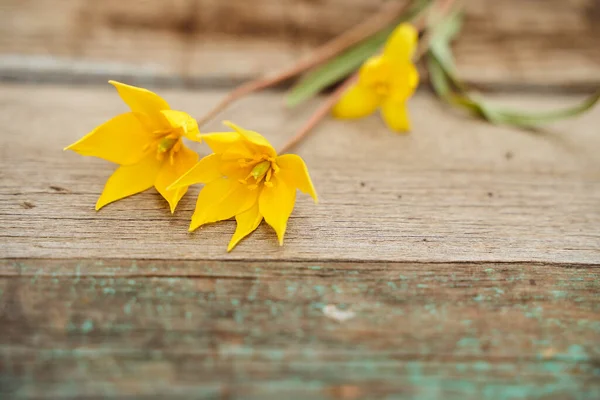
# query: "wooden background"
458, 262
200, 42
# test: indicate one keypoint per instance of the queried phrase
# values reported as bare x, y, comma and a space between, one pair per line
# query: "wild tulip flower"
146, 143
246, 179
385, 82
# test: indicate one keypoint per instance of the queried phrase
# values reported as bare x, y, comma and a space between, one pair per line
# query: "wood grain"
454, 190
458, 262
259, 330
198, 42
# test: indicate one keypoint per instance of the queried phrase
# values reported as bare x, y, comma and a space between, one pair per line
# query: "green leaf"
438, 78
448, 29
447, 85
534, 119
336, 69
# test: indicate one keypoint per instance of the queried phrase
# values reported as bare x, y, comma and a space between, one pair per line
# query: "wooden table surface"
458, 262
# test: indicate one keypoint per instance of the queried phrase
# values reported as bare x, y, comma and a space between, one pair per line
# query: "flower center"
263, 168
382, 88
167, 142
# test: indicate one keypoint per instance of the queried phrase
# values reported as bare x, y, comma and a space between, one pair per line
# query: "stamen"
268, 178
274, 165
158, 133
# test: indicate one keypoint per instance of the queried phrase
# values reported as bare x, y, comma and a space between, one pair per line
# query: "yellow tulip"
246, 179
385, 81
146, 143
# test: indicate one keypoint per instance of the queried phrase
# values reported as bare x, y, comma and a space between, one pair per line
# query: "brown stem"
318, 115
389, 13
444, 7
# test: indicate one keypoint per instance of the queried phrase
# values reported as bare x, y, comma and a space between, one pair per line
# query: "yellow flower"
147, 145
246, 179
385, 81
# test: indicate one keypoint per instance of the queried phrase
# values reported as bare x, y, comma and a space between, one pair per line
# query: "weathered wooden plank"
514, 42
74, 328
453, 190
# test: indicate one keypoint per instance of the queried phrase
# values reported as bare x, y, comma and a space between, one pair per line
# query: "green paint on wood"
87, 326
479, 298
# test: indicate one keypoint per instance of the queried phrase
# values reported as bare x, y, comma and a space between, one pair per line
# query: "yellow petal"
247, 222
405, 82
121, 140
357, 102
401, 44
294, 172
236, 151
232, 170
255, 139
219, 142
206, 170
129, 180
144, 102
221, 199
395, 115
276, 204
376, 70
182, 162
140, 99
181, 119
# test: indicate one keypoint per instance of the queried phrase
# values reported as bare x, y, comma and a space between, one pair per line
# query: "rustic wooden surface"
260, 330
505, 43
459, 262
455, 190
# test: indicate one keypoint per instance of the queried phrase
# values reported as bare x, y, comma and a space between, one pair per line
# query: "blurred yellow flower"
147, 145
246, 179
385, 81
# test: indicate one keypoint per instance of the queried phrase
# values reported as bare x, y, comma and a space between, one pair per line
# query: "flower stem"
318, 115
445, 7
389, 13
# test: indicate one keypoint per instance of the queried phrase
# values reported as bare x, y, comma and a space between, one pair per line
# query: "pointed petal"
276, 204
247, 222
255, 139
401, 44
206, 170
121, 140
219, 142
357, 102
129, 180
184, 120
140, 99
294, 172
182, 162
395, 115
221, 199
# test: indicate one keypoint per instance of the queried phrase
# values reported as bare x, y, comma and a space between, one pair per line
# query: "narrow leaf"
445, 82
533, 119
335, 69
